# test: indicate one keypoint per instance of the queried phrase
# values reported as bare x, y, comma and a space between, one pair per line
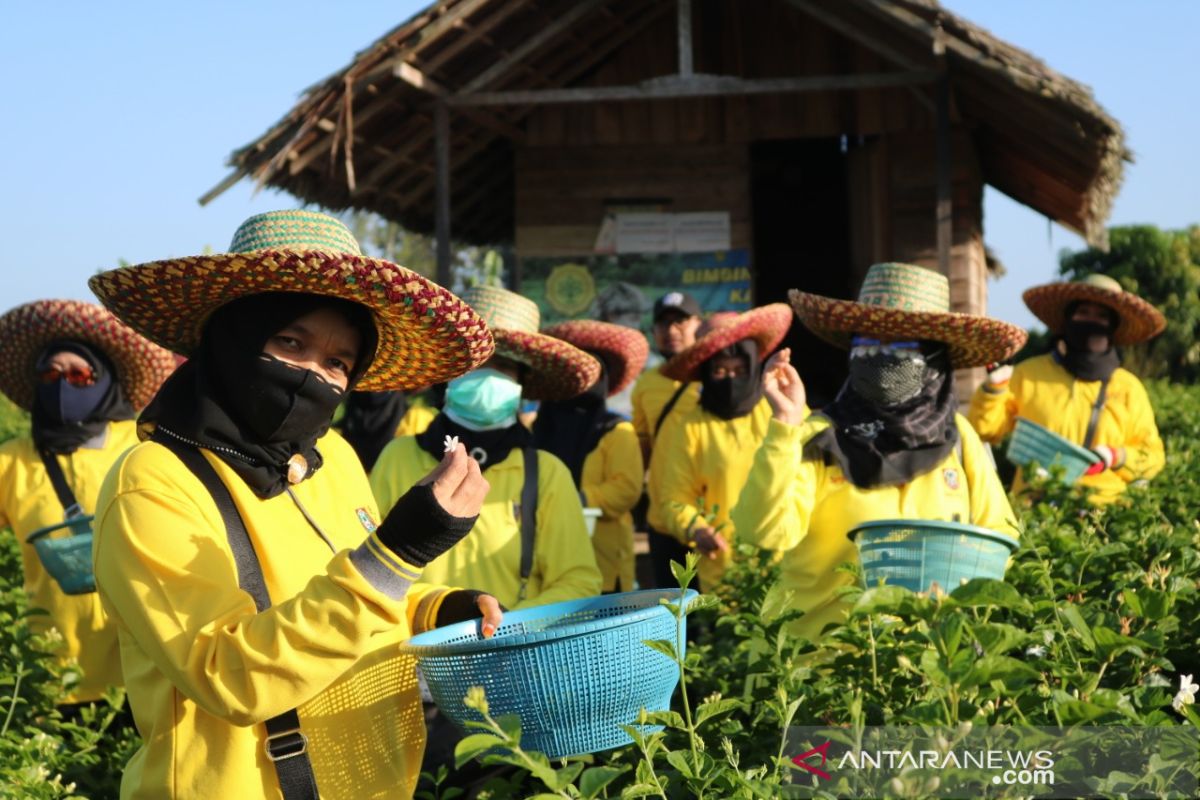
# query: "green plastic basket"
68, 558
1032, 443
916, 554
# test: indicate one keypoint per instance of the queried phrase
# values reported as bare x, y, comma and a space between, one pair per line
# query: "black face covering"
370, 422
252, 410
730, 398
571, 429
1079, 359
66, 416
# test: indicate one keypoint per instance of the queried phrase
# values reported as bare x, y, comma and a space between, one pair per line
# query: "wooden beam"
830, 19
683, 30
945, 165
441, 127
696, 86
581, 10
228, 181
472, 33
419, 80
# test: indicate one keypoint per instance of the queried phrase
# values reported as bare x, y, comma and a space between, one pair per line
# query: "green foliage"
13, 421
1162, 267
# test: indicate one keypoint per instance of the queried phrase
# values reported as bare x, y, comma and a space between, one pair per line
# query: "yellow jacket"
204, 669
489, 558
612, 481
803, 508
1042, 391
697, 470
416, 420
651, 393
28, 502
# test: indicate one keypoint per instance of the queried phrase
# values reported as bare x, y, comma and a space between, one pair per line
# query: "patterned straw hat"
558, 370
426, 334
26, 330
624, 349
766, 325
1139, 320
904, 301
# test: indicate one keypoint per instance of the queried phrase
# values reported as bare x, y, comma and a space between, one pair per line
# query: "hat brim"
557, 370
26, 330
623, 349
766, 325
971, 341
427, 335
1140, 321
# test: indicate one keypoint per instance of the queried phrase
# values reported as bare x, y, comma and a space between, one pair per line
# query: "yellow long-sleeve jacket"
651, 393
697, 472
1043, 391
802, 507
204, 669
27, 503
489, 558
612, 481
415, 420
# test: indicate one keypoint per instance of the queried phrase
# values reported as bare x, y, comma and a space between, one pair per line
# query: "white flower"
450, 443
1187, 693
1036, 651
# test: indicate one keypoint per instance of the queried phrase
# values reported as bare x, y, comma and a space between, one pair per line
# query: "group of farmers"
253, 584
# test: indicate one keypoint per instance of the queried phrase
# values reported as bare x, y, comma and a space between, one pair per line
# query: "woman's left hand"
492, 613
467, 604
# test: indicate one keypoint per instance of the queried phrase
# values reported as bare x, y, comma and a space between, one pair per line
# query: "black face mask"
1079, 360
1079, 335
730, 398
280, 403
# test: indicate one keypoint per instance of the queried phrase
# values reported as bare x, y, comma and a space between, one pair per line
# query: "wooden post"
945, 198
684, 29
441, 146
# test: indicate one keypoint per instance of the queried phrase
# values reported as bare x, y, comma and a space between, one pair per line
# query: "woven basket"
68, 558
916, 554
574, 672
1033, 444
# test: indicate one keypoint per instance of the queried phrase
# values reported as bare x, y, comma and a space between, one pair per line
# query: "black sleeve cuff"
418, 529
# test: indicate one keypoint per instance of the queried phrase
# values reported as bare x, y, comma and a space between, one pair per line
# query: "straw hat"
766, 325
26, 330
1139, 320
904, 301
426, 334
622, 348
558, 370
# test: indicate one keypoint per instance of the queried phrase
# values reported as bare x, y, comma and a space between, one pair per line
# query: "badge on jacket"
951, 476
364, 517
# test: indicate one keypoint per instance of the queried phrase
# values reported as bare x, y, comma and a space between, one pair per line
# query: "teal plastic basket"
1032, 443
916, 554
67, 557
574, 672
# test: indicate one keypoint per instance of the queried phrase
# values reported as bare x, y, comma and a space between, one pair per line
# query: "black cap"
676, 301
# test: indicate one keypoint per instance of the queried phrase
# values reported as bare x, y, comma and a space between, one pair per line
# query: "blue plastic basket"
1032, 443
67, 558
917, 553
574, 672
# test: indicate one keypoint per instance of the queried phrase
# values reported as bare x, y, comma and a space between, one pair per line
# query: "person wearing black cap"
655, 396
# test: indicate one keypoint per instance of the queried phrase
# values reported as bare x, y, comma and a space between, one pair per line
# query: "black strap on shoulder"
286, 745
1101, 396
59, 481
529, 501
667, 408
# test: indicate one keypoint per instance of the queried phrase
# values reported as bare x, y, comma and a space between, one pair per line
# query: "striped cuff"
995, 388
425, 617
382, 569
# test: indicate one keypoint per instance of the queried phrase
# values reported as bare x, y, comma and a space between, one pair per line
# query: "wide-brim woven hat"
905, 301
1139, 319
558, 370
426, 334
623, 349
25, 331
766, 325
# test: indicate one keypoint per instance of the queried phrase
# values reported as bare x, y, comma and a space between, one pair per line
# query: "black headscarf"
251, 410
730, 398
1079, 360
571, 429
886, 446
487, 447
65, 416
370, 421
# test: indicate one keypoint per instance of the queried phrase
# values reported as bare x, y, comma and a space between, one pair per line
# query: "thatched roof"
363, 138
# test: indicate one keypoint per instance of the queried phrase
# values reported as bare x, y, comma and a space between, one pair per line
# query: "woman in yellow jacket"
530, 546
372, 419
890, 446
598, 446
83, 375
701, 458
1078, 389
258, 594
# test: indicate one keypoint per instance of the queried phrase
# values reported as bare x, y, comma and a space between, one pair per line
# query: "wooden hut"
827, 134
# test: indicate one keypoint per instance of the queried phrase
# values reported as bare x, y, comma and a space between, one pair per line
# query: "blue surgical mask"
484, 399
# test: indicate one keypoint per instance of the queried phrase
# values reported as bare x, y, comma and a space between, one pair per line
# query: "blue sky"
119, 115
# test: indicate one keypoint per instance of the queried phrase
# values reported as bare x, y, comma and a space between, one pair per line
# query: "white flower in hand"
1187, 693
450, 443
